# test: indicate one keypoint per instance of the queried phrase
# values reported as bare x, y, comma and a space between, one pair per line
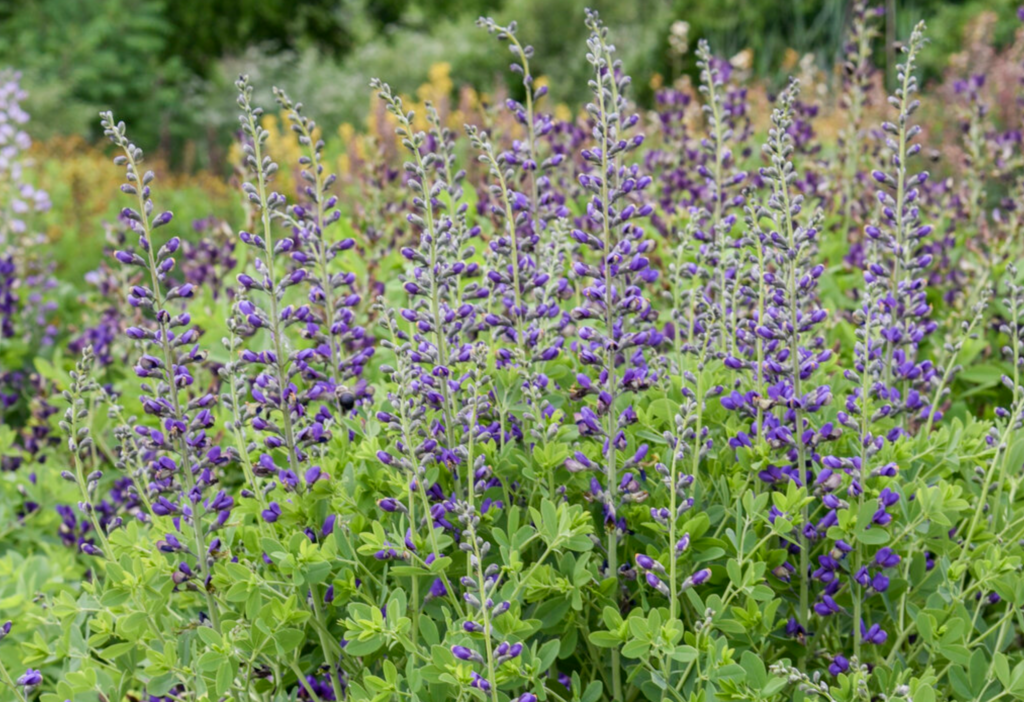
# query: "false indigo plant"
857, 73
26, 284
183, 458
791, 351
582, 418
524, 157
902, 237
614, 298
328, 289
720, 173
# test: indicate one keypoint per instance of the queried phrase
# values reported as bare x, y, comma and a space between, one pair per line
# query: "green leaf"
1002, 669
364, 647
225, 676
239, 592
731, 671
734, 571
115, 597
612, 618
210, 636
873, 537
604, 639
926, 626
288, 640
440, 564
638, 628
684, 654
775, 685
1017, 676
978, 670
757, 675
161, 685
593, 692
316, 573
961, 685
132, 625
428, 629
707, 554
546, 655
636, 649
211, 660
956, 653
112, 652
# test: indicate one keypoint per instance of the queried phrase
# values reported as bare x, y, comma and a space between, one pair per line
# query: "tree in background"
165, 63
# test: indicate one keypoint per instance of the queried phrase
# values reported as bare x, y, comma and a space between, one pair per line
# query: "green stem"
485, 611
901, 172
302, 681
9, 682
1018, 398
611, 382
673, 606
719, 138
275, 330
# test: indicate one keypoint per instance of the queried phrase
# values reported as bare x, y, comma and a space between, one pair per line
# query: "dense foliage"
678, 406
169, 64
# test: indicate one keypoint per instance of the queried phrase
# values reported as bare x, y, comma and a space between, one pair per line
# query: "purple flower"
181, 450
272, 513
479, 682
328, 528
655, 582
701, 576
390, 504
30, 680
437, 589
826, 606
647, 563
839, 665
466, 654
873, 634
887, 558
683, 544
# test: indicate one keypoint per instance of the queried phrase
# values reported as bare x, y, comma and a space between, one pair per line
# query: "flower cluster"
525, 407
27, 286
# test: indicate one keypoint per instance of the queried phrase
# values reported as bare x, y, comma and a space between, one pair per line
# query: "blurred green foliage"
142, 57
166, 65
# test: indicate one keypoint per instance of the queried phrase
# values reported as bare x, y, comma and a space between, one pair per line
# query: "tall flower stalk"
282, 415
283, 395
901, 235
442, 309
532, 318
857, 73
186, 468
721, 174
793, 349
614, 297
537, 126
329, 289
